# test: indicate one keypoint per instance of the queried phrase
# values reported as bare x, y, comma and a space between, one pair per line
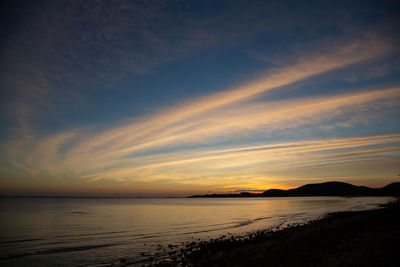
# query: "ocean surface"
102, 231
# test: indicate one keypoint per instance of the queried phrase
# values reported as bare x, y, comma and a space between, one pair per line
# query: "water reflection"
78, 231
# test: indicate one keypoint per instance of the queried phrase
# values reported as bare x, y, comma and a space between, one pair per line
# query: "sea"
50, 231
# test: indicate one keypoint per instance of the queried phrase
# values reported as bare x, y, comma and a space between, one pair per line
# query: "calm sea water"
102, 231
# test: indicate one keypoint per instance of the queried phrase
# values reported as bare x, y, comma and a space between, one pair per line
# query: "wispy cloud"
171, 144
182, 117
278, 156
133, 153
256, 95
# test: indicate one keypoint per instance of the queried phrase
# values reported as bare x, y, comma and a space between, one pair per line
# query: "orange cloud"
119, 153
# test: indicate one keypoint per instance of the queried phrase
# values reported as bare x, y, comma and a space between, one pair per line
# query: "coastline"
354, 238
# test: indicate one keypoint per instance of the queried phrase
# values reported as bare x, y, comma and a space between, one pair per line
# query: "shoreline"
351, 238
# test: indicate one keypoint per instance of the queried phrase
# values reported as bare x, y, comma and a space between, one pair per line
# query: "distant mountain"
392, 189
327, 189
322, 189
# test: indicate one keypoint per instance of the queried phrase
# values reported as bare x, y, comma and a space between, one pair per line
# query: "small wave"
68, 249
92, 234
78, 212
262, 218
21, 241
237, 225
248, 222
243, 223
16, 256
59, 250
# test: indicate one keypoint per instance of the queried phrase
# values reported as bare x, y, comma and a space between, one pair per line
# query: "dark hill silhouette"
322, 189
392, 189
330, 189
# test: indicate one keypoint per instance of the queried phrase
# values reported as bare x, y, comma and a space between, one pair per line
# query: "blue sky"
181, 97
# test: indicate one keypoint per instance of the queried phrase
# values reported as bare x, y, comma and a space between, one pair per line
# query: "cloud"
135, 152
278, 155
139, 149
167, 124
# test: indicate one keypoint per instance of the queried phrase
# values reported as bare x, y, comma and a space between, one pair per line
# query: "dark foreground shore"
363, 238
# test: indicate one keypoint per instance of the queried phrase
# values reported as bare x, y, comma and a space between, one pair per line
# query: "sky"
173, 98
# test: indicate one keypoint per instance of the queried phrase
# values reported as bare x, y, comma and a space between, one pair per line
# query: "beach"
355, 238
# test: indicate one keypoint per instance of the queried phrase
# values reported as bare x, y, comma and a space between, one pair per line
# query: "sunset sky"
173, 98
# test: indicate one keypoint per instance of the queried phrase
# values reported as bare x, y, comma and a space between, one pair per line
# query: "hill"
320, 189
